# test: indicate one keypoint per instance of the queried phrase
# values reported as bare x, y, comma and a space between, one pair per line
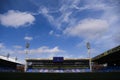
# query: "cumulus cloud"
46, 49
88, 28
41, 50
28, 38
14, 18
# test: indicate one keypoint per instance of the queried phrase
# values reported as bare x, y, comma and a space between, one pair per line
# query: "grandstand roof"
112, 55
52, 59
9, 59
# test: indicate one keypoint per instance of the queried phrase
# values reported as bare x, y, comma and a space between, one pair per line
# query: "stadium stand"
57, 64
108, 61
10, 65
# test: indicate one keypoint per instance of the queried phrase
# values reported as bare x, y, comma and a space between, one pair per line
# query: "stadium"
105, 66
60, 40
57, 64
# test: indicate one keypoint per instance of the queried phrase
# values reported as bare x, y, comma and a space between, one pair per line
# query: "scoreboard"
58, 59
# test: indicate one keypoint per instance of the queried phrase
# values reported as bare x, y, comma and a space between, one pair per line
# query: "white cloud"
16, 19
17, 47
45, 12
2, 45
92, 5
68, 10
46, 49
51, 32
63, 18
28, 38
88, 28
40, 50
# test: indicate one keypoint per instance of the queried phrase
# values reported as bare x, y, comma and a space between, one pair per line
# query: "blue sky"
58, 27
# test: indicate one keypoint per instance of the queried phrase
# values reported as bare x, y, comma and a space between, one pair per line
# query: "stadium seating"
109, 69
104, 69
58, 70
7, 69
